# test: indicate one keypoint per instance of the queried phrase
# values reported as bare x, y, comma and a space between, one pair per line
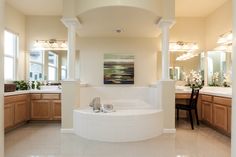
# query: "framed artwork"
118, 69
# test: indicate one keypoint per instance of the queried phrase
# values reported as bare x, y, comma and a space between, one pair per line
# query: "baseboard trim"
67, 131
169, 131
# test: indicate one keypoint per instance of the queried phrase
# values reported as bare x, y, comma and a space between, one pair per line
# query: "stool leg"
177, 114
191, 118
196, 116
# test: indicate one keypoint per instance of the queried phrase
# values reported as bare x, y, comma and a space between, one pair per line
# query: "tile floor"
45, 140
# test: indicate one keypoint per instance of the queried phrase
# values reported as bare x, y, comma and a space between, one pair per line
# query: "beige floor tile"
45, 140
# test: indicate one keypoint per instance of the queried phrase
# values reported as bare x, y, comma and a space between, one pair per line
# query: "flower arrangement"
215, 79
227, 80
21, 85
193, 79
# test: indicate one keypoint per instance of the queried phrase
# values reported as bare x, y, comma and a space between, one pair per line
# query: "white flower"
193, 79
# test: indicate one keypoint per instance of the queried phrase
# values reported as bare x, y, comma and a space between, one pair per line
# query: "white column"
165, 26
233, 121
2, 7
72, 25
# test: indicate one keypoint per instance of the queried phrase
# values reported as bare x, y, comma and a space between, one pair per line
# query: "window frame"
16, 50
53, 66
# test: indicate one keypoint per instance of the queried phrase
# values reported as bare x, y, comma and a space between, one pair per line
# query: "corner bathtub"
120, 126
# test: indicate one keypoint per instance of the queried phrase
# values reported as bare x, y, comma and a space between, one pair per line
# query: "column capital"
165, 23
71, 21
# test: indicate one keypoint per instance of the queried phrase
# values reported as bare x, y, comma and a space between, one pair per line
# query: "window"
52, 66
36, 65
11, 48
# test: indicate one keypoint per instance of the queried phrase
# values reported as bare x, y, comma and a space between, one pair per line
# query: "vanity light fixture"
186, 56
226, 38
225, 42
181, 46
51, 44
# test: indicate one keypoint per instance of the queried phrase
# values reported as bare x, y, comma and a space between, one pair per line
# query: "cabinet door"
56, 109
40, 110
229, 120
20, 112
207, 112
8, 115
220, 116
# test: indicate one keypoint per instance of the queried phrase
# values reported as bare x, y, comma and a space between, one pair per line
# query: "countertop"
216, 91
31, 91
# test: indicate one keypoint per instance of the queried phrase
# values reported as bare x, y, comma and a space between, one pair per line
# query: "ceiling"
105, 21
196, 8
38, 7
189, 8
132, 22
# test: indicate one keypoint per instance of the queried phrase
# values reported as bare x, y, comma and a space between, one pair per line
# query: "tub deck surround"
140, 113
132, 121
166, 97
70, 99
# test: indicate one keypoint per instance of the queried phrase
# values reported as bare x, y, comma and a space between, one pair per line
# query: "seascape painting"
118, 69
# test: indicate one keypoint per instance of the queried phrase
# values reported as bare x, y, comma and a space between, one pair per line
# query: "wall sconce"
51, 44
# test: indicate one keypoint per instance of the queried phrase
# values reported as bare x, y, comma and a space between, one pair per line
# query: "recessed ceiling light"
119, 30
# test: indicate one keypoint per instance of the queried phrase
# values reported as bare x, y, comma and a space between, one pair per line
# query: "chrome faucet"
96, 104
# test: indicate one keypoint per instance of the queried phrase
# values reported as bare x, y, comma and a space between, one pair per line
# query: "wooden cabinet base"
15, 126
45, 107
222, 131
20, 109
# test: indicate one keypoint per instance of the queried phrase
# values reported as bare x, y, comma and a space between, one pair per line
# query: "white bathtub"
134, 121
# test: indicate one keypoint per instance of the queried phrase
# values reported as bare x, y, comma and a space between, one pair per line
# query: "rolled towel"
107, 108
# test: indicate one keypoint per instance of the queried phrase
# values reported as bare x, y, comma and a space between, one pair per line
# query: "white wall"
44, 28
92, 51
218, 23
189, 30
186, 29
15, 22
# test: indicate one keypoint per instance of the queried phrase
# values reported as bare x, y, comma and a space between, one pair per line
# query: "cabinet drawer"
182, 96
207, 98
35, 96
222, 101
10, 99
51, 96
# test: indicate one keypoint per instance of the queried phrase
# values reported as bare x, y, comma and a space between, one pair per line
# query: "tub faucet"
95, 104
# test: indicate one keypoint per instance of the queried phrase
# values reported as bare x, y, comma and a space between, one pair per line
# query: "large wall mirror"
180, 67
219, 65
47, 65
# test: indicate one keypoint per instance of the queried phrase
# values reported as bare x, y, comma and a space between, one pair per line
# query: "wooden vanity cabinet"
45, 106
221, 116
40, 110
56, 109
229, 120
216, 112
8, 115
207, 112
16, 110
